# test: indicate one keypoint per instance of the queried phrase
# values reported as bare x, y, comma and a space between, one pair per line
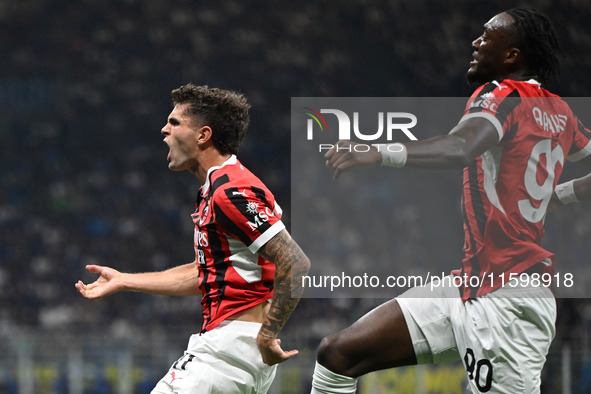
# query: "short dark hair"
225, 111
535, 37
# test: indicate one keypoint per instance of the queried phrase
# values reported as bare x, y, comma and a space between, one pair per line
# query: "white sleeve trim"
490, 117
586, 151
266, 236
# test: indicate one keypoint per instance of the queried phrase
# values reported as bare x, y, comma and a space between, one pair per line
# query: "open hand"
271, 351
107, 283
346, 155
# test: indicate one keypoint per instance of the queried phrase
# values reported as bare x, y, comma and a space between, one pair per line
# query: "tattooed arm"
291, 264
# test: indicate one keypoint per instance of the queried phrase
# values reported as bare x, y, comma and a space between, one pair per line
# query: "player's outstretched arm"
291, 264
181, 280
455, 150
572, 191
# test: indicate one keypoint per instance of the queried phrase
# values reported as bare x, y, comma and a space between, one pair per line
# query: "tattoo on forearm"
291, 264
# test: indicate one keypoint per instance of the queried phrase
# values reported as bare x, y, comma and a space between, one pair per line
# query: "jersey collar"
231, 160
531, 81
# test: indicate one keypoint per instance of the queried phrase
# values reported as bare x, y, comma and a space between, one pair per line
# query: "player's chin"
178, 167
173, 166
474, 76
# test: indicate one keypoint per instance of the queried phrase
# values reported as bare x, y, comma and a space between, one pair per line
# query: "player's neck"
209, 158
519, 75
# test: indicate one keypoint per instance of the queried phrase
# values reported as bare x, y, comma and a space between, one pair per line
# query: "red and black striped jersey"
235, 216
507, 189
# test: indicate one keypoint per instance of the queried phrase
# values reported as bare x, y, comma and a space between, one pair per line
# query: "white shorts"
224, 360
502, 337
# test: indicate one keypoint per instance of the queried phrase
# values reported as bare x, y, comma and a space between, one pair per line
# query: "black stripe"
220, 181
260, 194
230, 226
509, 135
476, 197
220, 268
206, 299
488, 88
474, 263
509, 103
579, 129
223, 179
479, 215
583, 130
241, 204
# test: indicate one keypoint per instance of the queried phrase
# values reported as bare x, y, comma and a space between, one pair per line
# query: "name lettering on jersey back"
555, 123
260, 218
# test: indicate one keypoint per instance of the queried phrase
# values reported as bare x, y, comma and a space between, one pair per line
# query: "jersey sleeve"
249, 214
581, 147
494, 101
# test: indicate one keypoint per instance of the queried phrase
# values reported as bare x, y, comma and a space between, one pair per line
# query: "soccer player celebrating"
247, 268
512, 143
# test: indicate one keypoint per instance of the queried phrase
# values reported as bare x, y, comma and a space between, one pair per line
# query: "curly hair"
535, 37
225, 111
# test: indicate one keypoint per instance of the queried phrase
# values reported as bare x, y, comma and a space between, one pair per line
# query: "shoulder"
511, 88
235, 181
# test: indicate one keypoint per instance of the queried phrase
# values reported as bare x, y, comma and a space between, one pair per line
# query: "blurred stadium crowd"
84, 91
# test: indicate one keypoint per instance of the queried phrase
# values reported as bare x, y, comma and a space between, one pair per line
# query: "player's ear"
513, 55
204, 134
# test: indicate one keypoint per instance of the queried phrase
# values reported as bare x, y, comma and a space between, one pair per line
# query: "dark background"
84, 91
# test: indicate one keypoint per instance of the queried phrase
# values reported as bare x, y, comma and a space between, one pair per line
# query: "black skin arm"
455, 150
